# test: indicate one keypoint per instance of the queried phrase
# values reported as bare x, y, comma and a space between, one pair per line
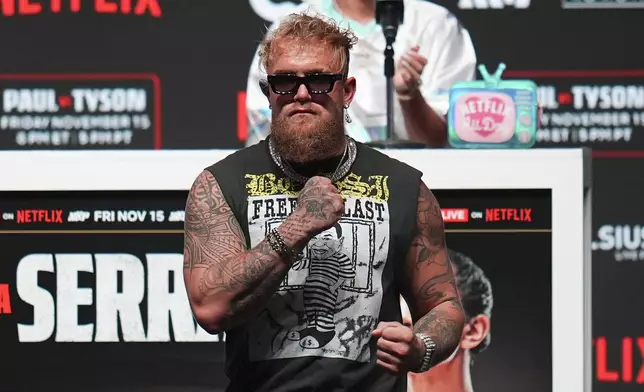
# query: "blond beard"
326, 141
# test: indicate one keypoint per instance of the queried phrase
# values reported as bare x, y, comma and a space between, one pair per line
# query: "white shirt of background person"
439, 37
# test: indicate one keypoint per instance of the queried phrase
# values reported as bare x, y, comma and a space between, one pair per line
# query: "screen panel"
508, 234
95, 296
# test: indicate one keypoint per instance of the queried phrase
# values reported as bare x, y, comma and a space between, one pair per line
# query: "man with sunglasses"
432, 52
305, 307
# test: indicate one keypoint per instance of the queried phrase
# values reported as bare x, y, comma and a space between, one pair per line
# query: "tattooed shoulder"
428, 264
430, 234
211, 233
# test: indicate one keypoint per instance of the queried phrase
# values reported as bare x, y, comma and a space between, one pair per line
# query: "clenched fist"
319, 205
399, 349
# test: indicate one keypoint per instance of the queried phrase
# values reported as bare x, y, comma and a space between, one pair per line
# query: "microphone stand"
390, 14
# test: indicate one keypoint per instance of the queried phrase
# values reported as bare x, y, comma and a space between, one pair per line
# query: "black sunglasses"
316, 83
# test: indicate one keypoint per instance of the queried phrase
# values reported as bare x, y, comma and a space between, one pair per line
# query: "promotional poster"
598, 109
96, 295
84, 111
507, 235
92, 294
618, 267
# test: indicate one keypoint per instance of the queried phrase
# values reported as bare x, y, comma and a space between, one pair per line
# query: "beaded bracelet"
277, 243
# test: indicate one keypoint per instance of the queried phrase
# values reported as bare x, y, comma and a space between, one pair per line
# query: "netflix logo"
37, 7
508, 214
619, 361
39, 216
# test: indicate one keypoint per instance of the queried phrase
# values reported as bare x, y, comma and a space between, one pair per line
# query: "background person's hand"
408, 72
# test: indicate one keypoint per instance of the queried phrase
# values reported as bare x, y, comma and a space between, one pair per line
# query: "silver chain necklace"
350, 152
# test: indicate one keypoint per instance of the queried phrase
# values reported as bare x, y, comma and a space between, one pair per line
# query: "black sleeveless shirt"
315, 333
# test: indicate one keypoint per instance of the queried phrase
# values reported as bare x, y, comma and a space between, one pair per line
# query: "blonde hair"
310, 29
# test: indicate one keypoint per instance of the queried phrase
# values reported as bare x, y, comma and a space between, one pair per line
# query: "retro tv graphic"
493, 113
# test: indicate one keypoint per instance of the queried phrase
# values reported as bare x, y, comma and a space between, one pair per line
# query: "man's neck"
317, 164
362, 11
451, 376
317, 167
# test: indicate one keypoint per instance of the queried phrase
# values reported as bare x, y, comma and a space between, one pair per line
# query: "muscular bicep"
212, 234
428, 271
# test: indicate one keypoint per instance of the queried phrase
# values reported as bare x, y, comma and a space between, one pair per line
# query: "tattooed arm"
226, 283
430, 290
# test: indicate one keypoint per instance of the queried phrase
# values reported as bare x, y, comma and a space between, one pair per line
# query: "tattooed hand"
319, 206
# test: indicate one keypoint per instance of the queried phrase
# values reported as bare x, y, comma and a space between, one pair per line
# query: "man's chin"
305, 133
300, 140
305, 147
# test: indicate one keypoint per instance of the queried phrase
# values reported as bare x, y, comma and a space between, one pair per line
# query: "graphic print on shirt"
329, 301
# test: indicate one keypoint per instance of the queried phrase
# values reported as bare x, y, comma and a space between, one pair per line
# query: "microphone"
390, 14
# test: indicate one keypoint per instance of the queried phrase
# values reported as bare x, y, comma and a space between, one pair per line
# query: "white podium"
565, 171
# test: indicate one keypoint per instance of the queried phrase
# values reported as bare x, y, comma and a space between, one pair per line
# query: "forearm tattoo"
215, 254
434, 290
444, 324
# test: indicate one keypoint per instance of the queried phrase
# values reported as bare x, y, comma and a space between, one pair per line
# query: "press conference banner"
123, 74
603, 110
96, 111
96, 299
142, 86
92, 295
618, 267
